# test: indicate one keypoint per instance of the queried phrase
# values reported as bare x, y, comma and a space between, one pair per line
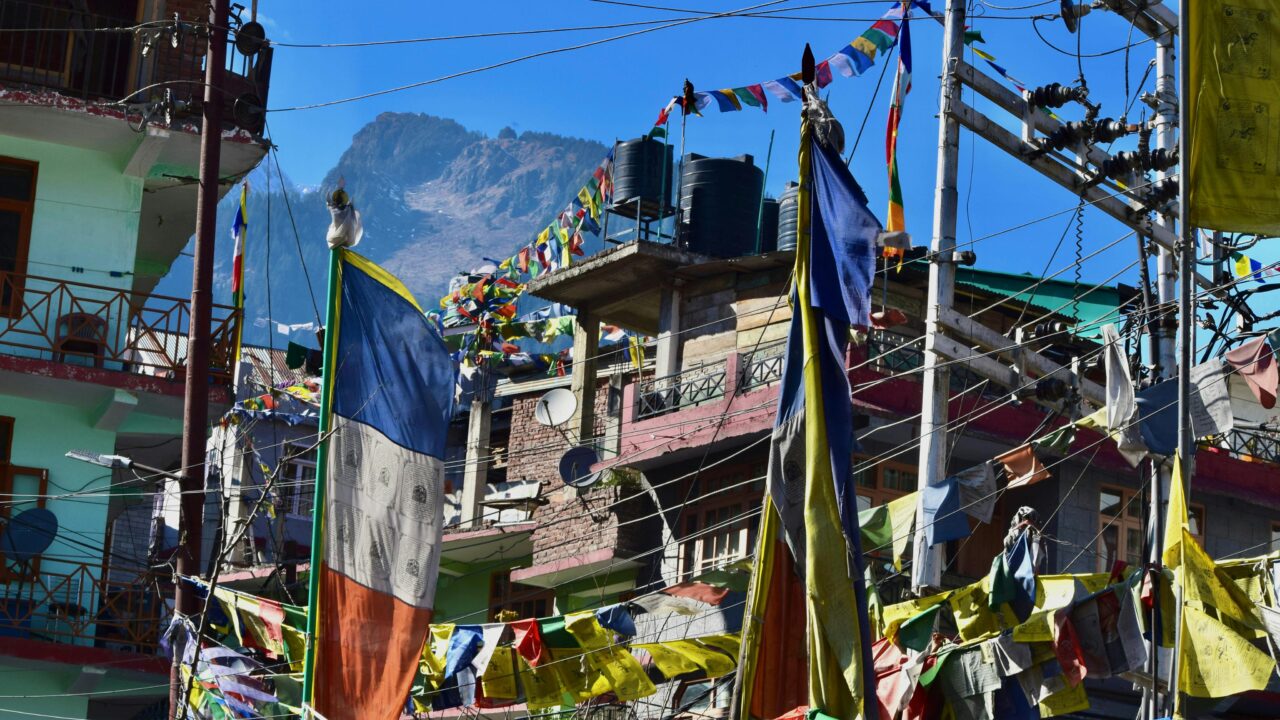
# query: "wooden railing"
105, 327
76, 604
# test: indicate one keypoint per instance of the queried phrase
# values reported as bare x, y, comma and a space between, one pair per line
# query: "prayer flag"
239, 227
834, 264
1176, 520
901, 86
1216, 660
389, 400
1233, 98
1246, 266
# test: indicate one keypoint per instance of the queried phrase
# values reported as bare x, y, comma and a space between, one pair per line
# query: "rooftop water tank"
768, 226
788, 212
638, 174
720, 205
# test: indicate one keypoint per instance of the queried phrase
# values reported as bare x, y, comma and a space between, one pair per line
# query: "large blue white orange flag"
390, 380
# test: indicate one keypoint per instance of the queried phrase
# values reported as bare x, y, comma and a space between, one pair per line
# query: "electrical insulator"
1163, 158
1125, 162
1163, 190
1067, 134
1052, 389
1055, 95
1106, 130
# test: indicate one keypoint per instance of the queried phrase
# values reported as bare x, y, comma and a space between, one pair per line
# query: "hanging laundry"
1255, 362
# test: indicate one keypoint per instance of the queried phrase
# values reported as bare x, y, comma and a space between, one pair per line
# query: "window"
1120, 514
17, 202
882, 482
1275, 537
720, 524
525, 601
32, 484
298, 480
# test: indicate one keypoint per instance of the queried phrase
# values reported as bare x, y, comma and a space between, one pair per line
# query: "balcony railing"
76, 604
694, 386
72, 52
762, 365
1250, 445
893, 354
104, 327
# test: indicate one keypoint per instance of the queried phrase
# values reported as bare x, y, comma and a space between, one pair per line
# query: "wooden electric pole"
195, 414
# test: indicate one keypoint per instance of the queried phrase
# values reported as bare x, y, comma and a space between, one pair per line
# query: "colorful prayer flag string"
901, 87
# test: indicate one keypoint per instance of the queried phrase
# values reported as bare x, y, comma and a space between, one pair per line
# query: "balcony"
690, 387
84, 604
64, 51
78, 325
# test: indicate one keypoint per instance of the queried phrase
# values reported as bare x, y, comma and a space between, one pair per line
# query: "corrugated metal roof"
1094, 307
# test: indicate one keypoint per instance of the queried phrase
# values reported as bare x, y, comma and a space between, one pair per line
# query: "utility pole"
195, 415
927, 562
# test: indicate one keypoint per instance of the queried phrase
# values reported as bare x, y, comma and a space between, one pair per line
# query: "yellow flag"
1202, 584
1069, 700
1177, 519
902, 518
620, 673
670, 663
499, 679
898, 613
1217, 661
542, 687
1234, 112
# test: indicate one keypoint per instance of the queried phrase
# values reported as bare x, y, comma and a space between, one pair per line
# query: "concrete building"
97, 198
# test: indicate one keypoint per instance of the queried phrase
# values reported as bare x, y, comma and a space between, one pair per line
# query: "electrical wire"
1069, 53
521, 58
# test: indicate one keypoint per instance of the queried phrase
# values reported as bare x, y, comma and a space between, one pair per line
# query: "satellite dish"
28, 535
575, 467
556, 407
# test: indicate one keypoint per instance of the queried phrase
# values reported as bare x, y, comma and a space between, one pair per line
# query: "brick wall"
566, 527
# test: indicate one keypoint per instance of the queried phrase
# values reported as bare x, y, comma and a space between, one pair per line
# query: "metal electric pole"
927, 561
195, 415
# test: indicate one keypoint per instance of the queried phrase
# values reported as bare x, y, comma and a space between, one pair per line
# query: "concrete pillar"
475, 476
667, 355
586, 346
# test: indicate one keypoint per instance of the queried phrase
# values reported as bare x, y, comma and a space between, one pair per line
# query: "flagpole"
1186, 320
322, 476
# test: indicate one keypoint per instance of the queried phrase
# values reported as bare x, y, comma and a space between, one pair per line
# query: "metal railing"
1251, 445
73, 53
763, 365
690, 387
105, 327
895, 354
76, 604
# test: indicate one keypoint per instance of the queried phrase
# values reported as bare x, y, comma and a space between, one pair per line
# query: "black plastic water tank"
720, 205
638, 167
788, 212
769, 225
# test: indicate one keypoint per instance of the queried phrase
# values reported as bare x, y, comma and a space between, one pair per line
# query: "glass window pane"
898, 479
15, 182
864, 503
1275, 538
1108, 548
1133, 547
1109, 502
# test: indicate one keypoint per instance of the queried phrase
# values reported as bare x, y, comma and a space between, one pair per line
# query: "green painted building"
97, 198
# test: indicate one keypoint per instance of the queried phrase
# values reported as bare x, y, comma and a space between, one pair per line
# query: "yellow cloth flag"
898, 613
713, 662
974, 617
541, 685
669, 662
902, 518
1216, 660
433, 654
1070, 700
499, 679
1202, 584
295, 643
1234, 116
729, 643
1177, 519
621, 672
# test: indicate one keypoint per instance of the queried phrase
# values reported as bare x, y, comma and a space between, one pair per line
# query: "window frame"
878, 494
740, 485
8, 471
26, 212
1130, 517
504, 594
296, 456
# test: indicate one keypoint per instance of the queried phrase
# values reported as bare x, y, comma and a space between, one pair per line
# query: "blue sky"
615, 90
